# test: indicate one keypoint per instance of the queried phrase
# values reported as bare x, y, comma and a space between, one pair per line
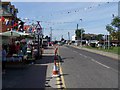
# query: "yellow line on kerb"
61, 72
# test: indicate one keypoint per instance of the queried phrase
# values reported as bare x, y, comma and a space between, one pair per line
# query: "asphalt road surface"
83, 69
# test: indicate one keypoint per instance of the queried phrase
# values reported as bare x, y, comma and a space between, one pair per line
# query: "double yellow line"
61, 78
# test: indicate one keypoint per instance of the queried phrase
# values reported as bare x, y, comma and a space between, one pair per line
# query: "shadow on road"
31, 76
47, 59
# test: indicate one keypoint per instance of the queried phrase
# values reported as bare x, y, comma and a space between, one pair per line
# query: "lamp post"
108, 41
81, 34
51, 33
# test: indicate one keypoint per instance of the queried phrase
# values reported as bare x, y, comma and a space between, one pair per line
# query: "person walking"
17, 48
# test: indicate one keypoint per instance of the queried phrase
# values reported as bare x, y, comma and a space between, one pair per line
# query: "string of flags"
66, 12
79, 9
13, 23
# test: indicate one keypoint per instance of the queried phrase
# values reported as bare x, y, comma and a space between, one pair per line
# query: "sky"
63, 17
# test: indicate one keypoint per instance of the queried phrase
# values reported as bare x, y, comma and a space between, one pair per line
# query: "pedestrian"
4, 54
24, 48
12, 48
17, 47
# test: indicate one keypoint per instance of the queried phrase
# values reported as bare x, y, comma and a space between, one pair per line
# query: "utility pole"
50, 33
77, 26
81, 37
104, 40
108, 41
81, 33
62, 37
69, 36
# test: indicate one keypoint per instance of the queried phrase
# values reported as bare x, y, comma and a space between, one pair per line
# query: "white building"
73, 37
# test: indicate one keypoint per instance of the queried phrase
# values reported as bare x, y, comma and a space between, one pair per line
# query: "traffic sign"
38, 28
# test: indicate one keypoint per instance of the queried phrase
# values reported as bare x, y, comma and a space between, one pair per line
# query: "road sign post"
39, 36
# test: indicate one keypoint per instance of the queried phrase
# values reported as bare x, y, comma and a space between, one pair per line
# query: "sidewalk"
111, 55
38, 75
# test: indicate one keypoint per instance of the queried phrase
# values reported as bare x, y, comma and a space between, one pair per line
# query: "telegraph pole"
108, 41
104, 40
81, 37
69, 36
61, 36
50, 33
81, 33
77, 26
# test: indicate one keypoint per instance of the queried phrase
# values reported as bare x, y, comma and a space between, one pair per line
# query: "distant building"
73, 37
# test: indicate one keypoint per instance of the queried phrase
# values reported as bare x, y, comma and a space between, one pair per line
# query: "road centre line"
75, 51
105, 65
92, 59
99, 63
80, 54
85, 56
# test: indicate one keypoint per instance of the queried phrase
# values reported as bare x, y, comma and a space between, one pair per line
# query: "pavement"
37, 75
108, 54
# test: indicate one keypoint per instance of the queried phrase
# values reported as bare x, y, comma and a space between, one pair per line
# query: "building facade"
8, 17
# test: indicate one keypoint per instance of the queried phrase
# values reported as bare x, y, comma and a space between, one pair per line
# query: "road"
83, 69
35, 76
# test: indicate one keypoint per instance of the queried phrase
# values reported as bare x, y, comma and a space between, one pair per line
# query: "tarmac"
34, 75
39, 74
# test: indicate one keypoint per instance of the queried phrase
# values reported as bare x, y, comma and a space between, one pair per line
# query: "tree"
99, 37
87, 37
110, 29
78, 33
113, 28
116, 22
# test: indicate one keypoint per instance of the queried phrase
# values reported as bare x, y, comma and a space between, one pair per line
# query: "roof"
5, 3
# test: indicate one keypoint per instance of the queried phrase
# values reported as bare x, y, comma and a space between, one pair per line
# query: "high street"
83, 69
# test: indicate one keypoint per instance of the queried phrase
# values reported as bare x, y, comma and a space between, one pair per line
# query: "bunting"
77, 10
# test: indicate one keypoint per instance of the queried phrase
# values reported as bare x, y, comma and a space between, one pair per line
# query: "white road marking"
84, 56
92, 59
75, 51
100, 63
80, 54
97, 62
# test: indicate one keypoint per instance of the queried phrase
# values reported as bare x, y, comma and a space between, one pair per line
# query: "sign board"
38, 28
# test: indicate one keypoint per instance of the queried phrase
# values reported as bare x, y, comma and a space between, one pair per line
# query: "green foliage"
113, 29
110, 29
116, 22
99, 37
78, 33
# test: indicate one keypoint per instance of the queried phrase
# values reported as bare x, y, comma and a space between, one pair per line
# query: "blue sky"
63, 17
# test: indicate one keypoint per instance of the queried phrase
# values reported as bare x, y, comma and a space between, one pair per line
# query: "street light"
81, 34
